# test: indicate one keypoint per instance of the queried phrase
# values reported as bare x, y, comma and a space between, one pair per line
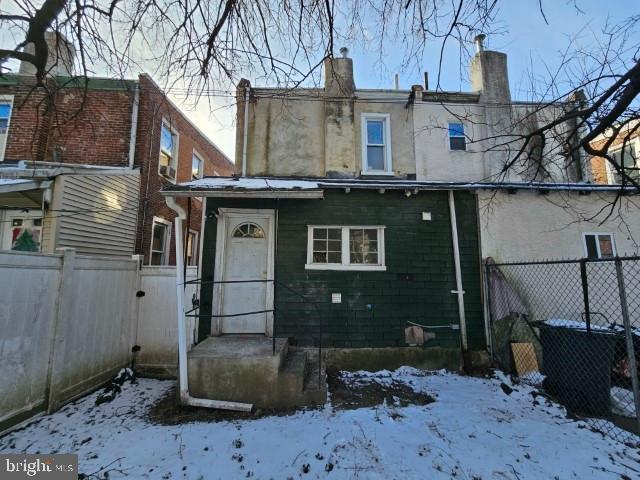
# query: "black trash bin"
577, 365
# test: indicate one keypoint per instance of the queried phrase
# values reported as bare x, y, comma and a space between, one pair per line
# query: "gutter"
134, 125
244, 131
183, 376
459, 291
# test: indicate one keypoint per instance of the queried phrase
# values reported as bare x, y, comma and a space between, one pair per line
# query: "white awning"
9, 185
246, 187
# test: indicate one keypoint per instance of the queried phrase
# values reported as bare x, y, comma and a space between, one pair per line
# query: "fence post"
62, 314
628, 333
585, 293
488, 327
135, 314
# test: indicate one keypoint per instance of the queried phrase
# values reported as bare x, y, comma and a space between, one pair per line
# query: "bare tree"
209, 45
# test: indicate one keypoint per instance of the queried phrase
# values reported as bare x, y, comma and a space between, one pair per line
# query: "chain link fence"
573, 328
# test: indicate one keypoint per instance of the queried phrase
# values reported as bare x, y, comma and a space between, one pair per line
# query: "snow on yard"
477, 428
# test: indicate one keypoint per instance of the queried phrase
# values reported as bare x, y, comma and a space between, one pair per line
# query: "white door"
247, 255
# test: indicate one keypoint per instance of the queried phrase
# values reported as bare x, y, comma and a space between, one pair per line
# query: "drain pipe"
244, 131
456, 261
183, 377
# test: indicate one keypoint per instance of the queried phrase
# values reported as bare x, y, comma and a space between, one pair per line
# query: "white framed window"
457, 138
6, 106
376, 144
628, 158
160, 241
192, 248
197, 166
339, 247
599, 245
168, 162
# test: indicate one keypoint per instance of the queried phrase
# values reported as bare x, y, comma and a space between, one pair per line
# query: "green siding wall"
376, 306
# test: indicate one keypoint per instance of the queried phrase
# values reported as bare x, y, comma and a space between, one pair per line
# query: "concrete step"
293, 371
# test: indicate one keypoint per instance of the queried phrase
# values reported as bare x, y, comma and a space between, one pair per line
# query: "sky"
532, 44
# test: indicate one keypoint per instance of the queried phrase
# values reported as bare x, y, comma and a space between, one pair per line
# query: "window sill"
377, 173
363, 268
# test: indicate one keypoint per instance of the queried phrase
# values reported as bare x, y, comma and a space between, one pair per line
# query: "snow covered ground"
475, 429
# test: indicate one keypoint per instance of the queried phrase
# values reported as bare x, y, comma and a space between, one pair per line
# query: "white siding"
98, 214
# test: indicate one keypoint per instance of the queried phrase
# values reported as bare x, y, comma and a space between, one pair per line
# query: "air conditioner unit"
164, 170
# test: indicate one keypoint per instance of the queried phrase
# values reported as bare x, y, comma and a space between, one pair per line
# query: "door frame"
223, 217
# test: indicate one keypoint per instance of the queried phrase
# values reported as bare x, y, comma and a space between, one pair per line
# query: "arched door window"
248, 230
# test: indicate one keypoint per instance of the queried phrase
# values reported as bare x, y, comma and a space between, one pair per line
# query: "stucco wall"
532, 226
308, 135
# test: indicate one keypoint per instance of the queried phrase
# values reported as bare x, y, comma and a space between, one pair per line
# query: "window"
25, 233
160, 236
5, 117
345, 248
457, 140
376, 144
168, 152
196, 167
192, 248
599, 245
248, 230
629, 159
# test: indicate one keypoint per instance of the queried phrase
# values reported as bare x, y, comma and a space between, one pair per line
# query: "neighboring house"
625, 152
97, 127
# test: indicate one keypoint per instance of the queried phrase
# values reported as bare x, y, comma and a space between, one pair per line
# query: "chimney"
60, 56
489, 75
338, 75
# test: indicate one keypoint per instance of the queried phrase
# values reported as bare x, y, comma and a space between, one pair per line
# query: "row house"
360, 219
82, 164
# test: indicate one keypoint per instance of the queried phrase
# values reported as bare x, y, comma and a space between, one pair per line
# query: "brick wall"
375, 306
29, 122
92, 125
154, 107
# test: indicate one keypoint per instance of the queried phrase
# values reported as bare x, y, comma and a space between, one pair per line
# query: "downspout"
456, 261
244, 131
183, 377
134, 125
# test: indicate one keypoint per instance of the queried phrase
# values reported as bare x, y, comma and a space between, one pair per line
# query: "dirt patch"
168, 411
358, 391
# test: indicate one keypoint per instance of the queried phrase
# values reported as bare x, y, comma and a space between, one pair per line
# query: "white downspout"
134, 125
183, 377
456, 261
244, 131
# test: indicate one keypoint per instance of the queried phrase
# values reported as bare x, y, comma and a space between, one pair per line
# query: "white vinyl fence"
68, 323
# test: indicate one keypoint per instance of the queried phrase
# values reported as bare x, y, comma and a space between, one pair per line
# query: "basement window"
599, 245
168, 162
376, 144
334, 247
457, 139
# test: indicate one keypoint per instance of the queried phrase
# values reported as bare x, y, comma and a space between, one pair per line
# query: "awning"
22, 193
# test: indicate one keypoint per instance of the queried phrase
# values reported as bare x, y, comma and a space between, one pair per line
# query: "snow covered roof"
269, 187
8, 185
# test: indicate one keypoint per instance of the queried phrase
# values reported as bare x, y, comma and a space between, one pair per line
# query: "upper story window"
5, 116
599, 245
196, 167
345, 248
457, 139
376, 144
629, 159
168, 152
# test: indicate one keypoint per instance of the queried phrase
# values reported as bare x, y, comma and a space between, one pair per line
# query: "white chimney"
60, 56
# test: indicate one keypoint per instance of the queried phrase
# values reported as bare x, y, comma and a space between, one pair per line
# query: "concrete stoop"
243, 368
